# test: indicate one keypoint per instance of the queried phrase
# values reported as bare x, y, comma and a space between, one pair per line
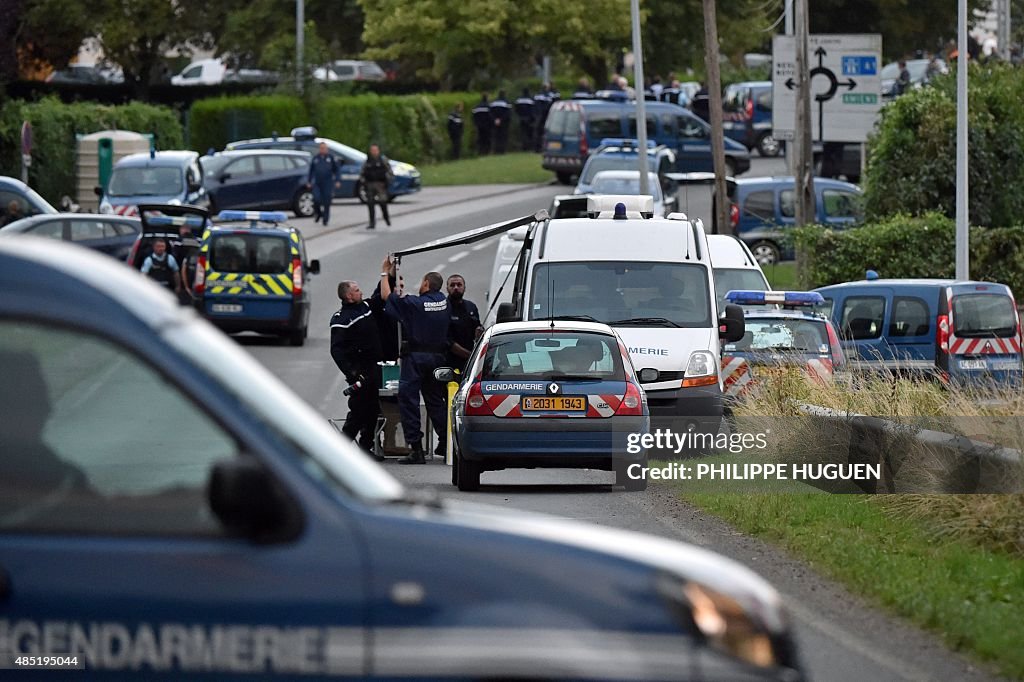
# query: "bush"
912, 165
54, 125
906, 246
216, 121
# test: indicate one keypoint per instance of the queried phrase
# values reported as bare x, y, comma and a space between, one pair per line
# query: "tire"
297, 337
730, 168
468, 474
564, 178
766, 253
631, 485
302, 206
768, 146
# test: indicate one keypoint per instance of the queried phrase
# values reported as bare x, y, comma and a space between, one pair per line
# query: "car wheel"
303, 205
768, 146
622, 477
766, 253
730, 168
564, 178
468, 474
297, 337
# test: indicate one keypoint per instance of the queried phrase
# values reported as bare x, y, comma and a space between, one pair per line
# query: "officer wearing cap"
425, 318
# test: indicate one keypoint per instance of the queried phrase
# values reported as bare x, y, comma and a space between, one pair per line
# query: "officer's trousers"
526, 133
483, 141
501, 139
377, 193
363, 409
417, 375
323, 194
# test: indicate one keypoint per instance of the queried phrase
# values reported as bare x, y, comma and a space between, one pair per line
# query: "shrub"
216, 121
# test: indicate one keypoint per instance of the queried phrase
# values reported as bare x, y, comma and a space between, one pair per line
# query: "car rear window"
736, 279
862, 317
554, 355
249, 253
140, 182
782, 334
983, 315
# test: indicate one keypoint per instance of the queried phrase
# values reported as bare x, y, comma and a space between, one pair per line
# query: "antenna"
551, 302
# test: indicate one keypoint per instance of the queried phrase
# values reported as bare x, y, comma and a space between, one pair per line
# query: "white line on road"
481, 246
459, 256
438, 268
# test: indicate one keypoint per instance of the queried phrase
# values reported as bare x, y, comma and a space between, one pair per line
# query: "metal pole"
300, 41
962, 257
641, 105
805, 212
721, 223
547, 69
788, 13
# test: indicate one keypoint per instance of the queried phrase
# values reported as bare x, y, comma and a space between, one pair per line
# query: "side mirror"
314, 267
732, 326
242, 495
506, 313
648, 375
98, 191
444, 375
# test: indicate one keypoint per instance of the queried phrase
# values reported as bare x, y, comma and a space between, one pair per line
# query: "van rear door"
983, 333
249, 275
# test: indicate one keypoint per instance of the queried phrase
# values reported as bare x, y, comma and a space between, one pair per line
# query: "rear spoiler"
167, 218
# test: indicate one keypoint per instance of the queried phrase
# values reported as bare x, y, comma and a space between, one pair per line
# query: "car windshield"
625, 185
610, 291
137, 181
604, 162
213, 165
249, 253
736, 279
552, 355
983, 315
782, 334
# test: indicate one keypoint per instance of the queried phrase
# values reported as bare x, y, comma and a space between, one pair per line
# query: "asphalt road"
840, 637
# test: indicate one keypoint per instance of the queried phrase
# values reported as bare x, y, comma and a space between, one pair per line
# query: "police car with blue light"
623, 154
783, 330
168, 507
252, 275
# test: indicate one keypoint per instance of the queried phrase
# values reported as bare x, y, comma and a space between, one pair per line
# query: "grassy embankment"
515, 168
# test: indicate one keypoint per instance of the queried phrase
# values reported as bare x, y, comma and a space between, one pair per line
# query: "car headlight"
701, 370
403, 170
105, 207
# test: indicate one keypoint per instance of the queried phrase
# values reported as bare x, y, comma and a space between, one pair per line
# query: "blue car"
169, 507
747, 114
406, 176
258, 180
960, 331
113, 235
169, 177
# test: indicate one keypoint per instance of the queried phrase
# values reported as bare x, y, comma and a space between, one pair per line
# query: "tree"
46, 33
135, 34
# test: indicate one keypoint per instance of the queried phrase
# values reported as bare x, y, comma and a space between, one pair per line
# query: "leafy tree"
41, 32
135, 34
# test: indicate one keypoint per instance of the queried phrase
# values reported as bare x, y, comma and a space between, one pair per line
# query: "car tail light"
942, 333
296, 277
199, 286
632, 404
837, 348
476, 405
734, 215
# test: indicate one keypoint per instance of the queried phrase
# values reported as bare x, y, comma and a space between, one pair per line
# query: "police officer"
526, 112
356, 349
672, 93
455, 127
501, 118
541, 105
583, 90
482, 122
162, 267
186, 252
425, 318
464, 326
376, 177
324, 172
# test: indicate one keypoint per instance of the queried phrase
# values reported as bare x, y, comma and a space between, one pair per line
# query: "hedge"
54, 125
216, 121
906, 246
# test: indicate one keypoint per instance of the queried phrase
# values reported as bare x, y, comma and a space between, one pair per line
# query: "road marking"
438, 268
482, 245
459, 256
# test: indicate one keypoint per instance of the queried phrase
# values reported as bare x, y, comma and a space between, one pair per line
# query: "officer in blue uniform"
464, 323
501, 118
541, 105
356, 349
525, 112
324, 172
161, 267
425, 318
482, 122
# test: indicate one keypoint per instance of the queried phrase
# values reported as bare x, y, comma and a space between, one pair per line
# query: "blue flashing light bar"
190, 220
625, 142
262, 216
786, 298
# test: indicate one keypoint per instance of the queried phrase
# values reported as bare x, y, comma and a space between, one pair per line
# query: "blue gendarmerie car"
167, 506
258, 179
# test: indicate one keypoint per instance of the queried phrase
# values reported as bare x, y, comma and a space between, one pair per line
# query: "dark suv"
747, 113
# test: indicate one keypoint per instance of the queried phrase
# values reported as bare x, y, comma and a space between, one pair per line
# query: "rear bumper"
699, 408
272, 317
562, 164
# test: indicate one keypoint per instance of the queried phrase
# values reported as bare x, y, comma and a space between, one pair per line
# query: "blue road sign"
860, 66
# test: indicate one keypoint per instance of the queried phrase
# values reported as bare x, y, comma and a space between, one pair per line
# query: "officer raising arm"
356, 349
425, 318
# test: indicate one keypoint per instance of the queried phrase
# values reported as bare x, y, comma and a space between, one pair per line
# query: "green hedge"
906, 246
54, 125
216, 121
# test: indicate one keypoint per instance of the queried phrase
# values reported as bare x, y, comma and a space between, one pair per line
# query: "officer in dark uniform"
501, 118
324, 172
541, 106
162, 267
376, 177
356, 349
455, 127
583, 90
186, 253
425, 318
464, 326
387, 326
482, 122
526, 113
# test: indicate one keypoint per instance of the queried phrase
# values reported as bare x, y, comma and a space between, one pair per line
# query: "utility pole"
300, 42
1003, 26
805, 212
962, 253
721, 218
788, 14
641, 105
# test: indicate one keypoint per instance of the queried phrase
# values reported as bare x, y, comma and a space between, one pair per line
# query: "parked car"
110, 234
628, 182
407, 176
350, 70
86, 74
621, 154
28, 200
575, 127
170, 177
215, 72
258, 179
963, 331
734, 266
747, 113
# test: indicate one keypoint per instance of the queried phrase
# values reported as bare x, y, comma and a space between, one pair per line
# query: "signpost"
26, 150
845, 81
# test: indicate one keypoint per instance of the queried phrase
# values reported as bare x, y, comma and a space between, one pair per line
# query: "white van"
735, 266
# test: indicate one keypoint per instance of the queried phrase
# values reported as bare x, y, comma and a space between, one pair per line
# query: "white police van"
651, 279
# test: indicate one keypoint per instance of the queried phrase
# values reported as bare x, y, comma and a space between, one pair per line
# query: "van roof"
774, 180
651, 239
728, 252
897, 283
168, 158
615, 105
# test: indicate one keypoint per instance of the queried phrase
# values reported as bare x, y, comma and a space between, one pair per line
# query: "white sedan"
628, 182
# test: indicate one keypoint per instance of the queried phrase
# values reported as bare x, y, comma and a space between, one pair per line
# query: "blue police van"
958, 330
170, 508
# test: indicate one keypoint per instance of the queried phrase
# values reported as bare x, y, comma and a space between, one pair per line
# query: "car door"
278, 180
95, 234
862, 318
839, 208
693, 145
50, 229
911, 328
237, 186
109, 548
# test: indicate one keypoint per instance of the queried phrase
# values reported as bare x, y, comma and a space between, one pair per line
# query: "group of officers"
437, 330
492, 120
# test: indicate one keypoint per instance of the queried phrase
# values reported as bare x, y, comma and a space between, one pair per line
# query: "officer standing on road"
324, 172
162, 267
526, 112
425, 318
376, 177
482, 122
501, 116
464, 326
455, 126
356, 349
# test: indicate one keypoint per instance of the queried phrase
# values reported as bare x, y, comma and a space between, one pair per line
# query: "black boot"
417, 456
384, 210
368, 449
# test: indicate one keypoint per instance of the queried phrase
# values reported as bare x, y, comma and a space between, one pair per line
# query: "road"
841, 638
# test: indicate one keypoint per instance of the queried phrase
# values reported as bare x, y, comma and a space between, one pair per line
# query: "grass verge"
972, 597
782, 276
518, 168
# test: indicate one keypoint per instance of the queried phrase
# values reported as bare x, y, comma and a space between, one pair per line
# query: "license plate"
554, 145
972, 364
226, 308
556, 404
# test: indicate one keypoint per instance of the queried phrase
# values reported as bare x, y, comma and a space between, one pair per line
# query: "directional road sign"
845, 81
